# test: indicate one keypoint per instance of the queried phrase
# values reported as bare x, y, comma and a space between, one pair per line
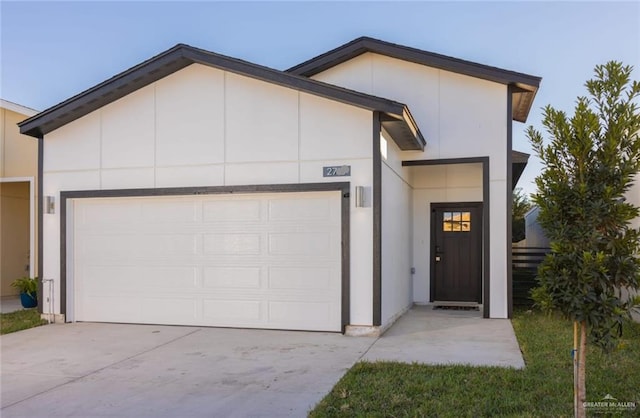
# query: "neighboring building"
633, 196
534, 234
18, 197
199, 189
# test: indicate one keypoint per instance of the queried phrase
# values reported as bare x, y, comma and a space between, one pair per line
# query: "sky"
50, 51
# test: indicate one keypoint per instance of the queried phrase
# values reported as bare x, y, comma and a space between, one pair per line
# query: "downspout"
377, 222
509, 201
40, 219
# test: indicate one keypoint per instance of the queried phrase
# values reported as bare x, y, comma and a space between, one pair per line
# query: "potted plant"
27, 287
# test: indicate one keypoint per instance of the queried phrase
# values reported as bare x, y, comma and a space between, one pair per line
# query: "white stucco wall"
397, 226
459, 116
205, 127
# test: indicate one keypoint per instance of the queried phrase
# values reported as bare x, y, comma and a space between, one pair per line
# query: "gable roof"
15, 107
397, 117
524, 86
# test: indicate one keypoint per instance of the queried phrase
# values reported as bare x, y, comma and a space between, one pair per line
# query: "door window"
456, 221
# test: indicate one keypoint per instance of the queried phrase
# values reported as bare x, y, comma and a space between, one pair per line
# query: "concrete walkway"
88, 369
425, 335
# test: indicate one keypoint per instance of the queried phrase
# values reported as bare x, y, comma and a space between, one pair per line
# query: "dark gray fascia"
106, 92
519, 162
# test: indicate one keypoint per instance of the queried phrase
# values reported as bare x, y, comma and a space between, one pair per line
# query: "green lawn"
543, 389
19, 320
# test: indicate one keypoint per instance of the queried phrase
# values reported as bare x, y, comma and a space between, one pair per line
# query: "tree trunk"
582, 363
574, 358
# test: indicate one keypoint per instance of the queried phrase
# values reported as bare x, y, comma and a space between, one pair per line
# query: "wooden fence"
525, 262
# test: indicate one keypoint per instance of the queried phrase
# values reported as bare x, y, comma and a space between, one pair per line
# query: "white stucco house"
199, 189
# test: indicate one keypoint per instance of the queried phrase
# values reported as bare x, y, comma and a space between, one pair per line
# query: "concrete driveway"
87, 369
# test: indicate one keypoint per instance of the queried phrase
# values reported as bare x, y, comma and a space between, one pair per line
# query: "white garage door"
252, 260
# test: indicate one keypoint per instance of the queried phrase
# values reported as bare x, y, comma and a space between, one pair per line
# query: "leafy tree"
589, 165
520, 207
521, 203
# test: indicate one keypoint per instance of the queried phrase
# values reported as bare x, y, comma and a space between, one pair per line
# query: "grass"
19, 320
543, 389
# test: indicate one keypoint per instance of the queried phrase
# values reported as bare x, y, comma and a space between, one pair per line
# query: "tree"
520, 207
588, 166
521, 203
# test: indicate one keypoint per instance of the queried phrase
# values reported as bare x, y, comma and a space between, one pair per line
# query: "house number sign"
336, 171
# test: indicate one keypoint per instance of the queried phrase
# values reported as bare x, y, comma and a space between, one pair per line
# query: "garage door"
253, 260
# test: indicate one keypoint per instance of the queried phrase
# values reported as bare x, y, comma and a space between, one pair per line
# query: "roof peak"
364, 44
524, 86
181, 56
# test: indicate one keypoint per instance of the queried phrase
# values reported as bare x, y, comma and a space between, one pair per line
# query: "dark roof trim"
527, 84
519, 162
519, 157
106, 92
181, 56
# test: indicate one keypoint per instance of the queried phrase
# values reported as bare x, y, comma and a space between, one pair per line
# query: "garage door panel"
179, 212
106, 278
230, 312
169, 277
317, 278
113, 213
232, 243
169, 310
317, 244
292, 313
232, 277
225, 211
301, 210
219, 260
95, 307
165, 244
129, 246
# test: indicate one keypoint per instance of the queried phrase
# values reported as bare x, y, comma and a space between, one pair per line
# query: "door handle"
438, 258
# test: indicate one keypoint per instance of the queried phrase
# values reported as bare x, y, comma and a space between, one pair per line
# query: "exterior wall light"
360, 197
49, 204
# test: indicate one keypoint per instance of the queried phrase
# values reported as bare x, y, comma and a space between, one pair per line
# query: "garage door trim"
343, 187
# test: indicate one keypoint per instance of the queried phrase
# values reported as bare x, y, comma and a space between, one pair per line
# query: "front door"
456, 252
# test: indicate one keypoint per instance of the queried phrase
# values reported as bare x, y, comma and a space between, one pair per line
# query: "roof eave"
15, 107
524, 82
284, 79
404, 131
175, 59
330, 58
106, 92
519, 162
364, 44
522, 101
